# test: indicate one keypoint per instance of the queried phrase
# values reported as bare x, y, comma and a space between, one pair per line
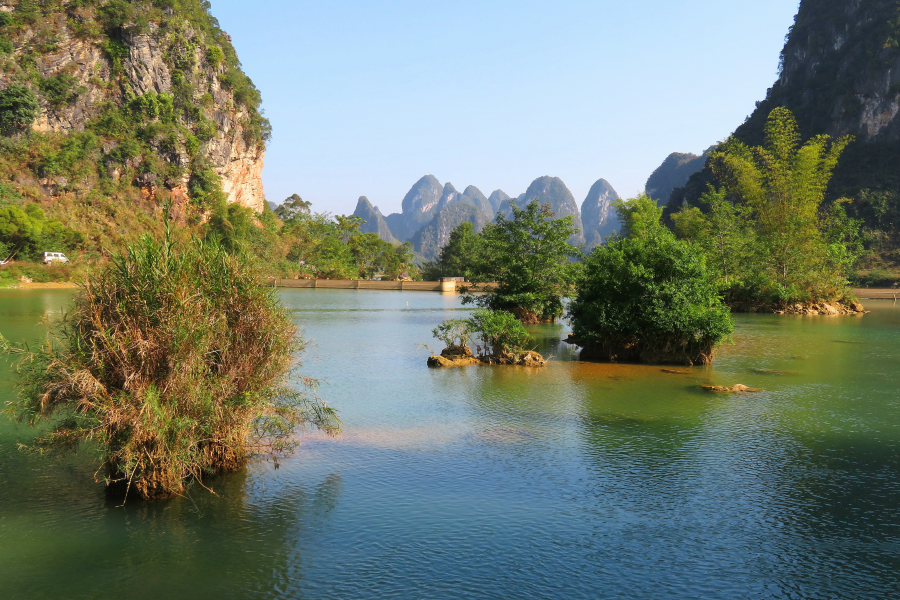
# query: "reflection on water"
575, 481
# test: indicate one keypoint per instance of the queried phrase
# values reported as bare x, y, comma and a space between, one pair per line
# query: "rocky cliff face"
497, 198
673, 173
429, 240
374, 220
839, 75
840, 70
419, 206
552, 191
155, 98
597, 215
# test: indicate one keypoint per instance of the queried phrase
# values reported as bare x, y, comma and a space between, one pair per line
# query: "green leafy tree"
530, 259
292, 207
461, 257
19, 108
724, 232
649, 299
639, 216
783, 183
27, 232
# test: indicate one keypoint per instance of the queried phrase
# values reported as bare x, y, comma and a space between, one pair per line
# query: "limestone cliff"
373, 220
597, 214
839, 75
146, 95
429, 240
552, 191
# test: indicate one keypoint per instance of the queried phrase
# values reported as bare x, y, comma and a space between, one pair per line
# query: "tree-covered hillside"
109, 107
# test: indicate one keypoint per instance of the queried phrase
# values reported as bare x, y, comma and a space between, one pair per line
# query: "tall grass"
175, 363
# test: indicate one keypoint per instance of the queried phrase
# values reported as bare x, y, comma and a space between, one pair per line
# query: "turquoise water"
575, 481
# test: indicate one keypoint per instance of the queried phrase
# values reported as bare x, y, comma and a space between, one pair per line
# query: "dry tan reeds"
174, 363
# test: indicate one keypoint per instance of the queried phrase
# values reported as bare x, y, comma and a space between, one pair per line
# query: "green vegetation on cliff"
108, 108
767, 230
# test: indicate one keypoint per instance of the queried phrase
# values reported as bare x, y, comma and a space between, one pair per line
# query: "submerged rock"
735, 389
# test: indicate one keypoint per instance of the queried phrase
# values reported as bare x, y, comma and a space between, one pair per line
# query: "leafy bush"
18, 109
648, 299
27, 232
60, 89
501, 334
173, 361
215, 56
455, 333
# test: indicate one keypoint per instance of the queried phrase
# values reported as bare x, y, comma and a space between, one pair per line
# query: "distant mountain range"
431, 211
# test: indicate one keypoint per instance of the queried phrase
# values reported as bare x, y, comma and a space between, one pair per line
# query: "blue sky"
366, 97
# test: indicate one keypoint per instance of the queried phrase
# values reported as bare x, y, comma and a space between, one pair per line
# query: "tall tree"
530, 258
784, 182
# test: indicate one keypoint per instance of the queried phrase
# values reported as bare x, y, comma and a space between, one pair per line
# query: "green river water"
575, 481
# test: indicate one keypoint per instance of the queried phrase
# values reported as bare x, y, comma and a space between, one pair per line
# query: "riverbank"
51, 285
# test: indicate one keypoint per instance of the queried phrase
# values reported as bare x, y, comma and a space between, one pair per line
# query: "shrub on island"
173, 362
500, 339
649, 299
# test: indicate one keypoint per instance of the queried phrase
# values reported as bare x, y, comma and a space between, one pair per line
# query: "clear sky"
366, 97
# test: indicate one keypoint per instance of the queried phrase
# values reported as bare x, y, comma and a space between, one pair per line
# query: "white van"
54, 257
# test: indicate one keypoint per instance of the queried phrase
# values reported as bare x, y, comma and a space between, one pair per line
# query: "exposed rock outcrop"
735, 389
830, 309
462, 356
429, 240
419, 206
552, 191
597, 215
162, 66
674, 172
374, 220
497, 198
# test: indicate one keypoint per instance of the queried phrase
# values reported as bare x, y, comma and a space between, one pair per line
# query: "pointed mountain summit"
419, 206
473, 194
374, 221
552, 191
673, 173
448, 196
497, 198
597, 215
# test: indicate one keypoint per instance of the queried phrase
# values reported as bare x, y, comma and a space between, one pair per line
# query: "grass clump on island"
174, 364
648, 298
498, 336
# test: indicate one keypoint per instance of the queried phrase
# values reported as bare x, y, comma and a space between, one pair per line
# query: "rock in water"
374, 221
597, 215
735, 389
